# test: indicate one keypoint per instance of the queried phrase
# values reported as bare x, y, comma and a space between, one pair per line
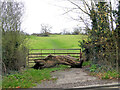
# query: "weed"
86, 63
93, 68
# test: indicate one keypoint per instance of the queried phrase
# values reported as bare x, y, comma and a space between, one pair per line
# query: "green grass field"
55, 41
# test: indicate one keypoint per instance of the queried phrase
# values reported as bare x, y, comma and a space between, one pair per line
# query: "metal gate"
37, 54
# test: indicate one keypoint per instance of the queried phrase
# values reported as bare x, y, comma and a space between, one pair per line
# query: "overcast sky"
48, 12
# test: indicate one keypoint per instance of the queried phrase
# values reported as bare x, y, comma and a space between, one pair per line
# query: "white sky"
48, 12
45, 11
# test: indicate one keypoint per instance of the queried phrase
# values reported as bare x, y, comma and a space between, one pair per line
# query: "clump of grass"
93, 68
86, 63
29, 78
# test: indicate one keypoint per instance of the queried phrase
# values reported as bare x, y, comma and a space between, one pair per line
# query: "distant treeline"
67, 33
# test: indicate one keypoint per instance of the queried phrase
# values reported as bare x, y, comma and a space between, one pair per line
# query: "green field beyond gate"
55, 42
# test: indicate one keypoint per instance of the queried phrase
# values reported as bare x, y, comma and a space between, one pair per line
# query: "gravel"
71, 78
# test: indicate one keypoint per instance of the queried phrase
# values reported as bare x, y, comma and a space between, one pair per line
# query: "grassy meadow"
55, 41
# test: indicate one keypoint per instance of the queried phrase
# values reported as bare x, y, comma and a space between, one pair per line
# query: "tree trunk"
51, 61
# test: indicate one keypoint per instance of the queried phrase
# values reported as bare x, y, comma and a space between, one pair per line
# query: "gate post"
54, 51
80, 54
41, 54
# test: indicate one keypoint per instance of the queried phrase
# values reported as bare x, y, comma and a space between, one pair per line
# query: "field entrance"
37, 54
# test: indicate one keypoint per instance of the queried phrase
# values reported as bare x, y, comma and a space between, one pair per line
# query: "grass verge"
29, 78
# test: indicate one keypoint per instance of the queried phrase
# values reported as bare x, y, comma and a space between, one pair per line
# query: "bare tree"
45, 29
65, 32
77, 30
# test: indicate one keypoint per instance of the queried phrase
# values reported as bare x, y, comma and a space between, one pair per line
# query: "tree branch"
85, 3
84, 22
69, 11
79, 7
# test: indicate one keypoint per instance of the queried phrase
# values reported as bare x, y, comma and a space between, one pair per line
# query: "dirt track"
72, 78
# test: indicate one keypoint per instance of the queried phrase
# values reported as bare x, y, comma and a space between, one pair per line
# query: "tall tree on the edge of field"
13, 39
103, 24
77, 30
45, 29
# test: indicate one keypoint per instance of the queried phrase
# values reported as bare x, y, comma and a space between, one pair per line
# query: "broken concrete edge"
99, 86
